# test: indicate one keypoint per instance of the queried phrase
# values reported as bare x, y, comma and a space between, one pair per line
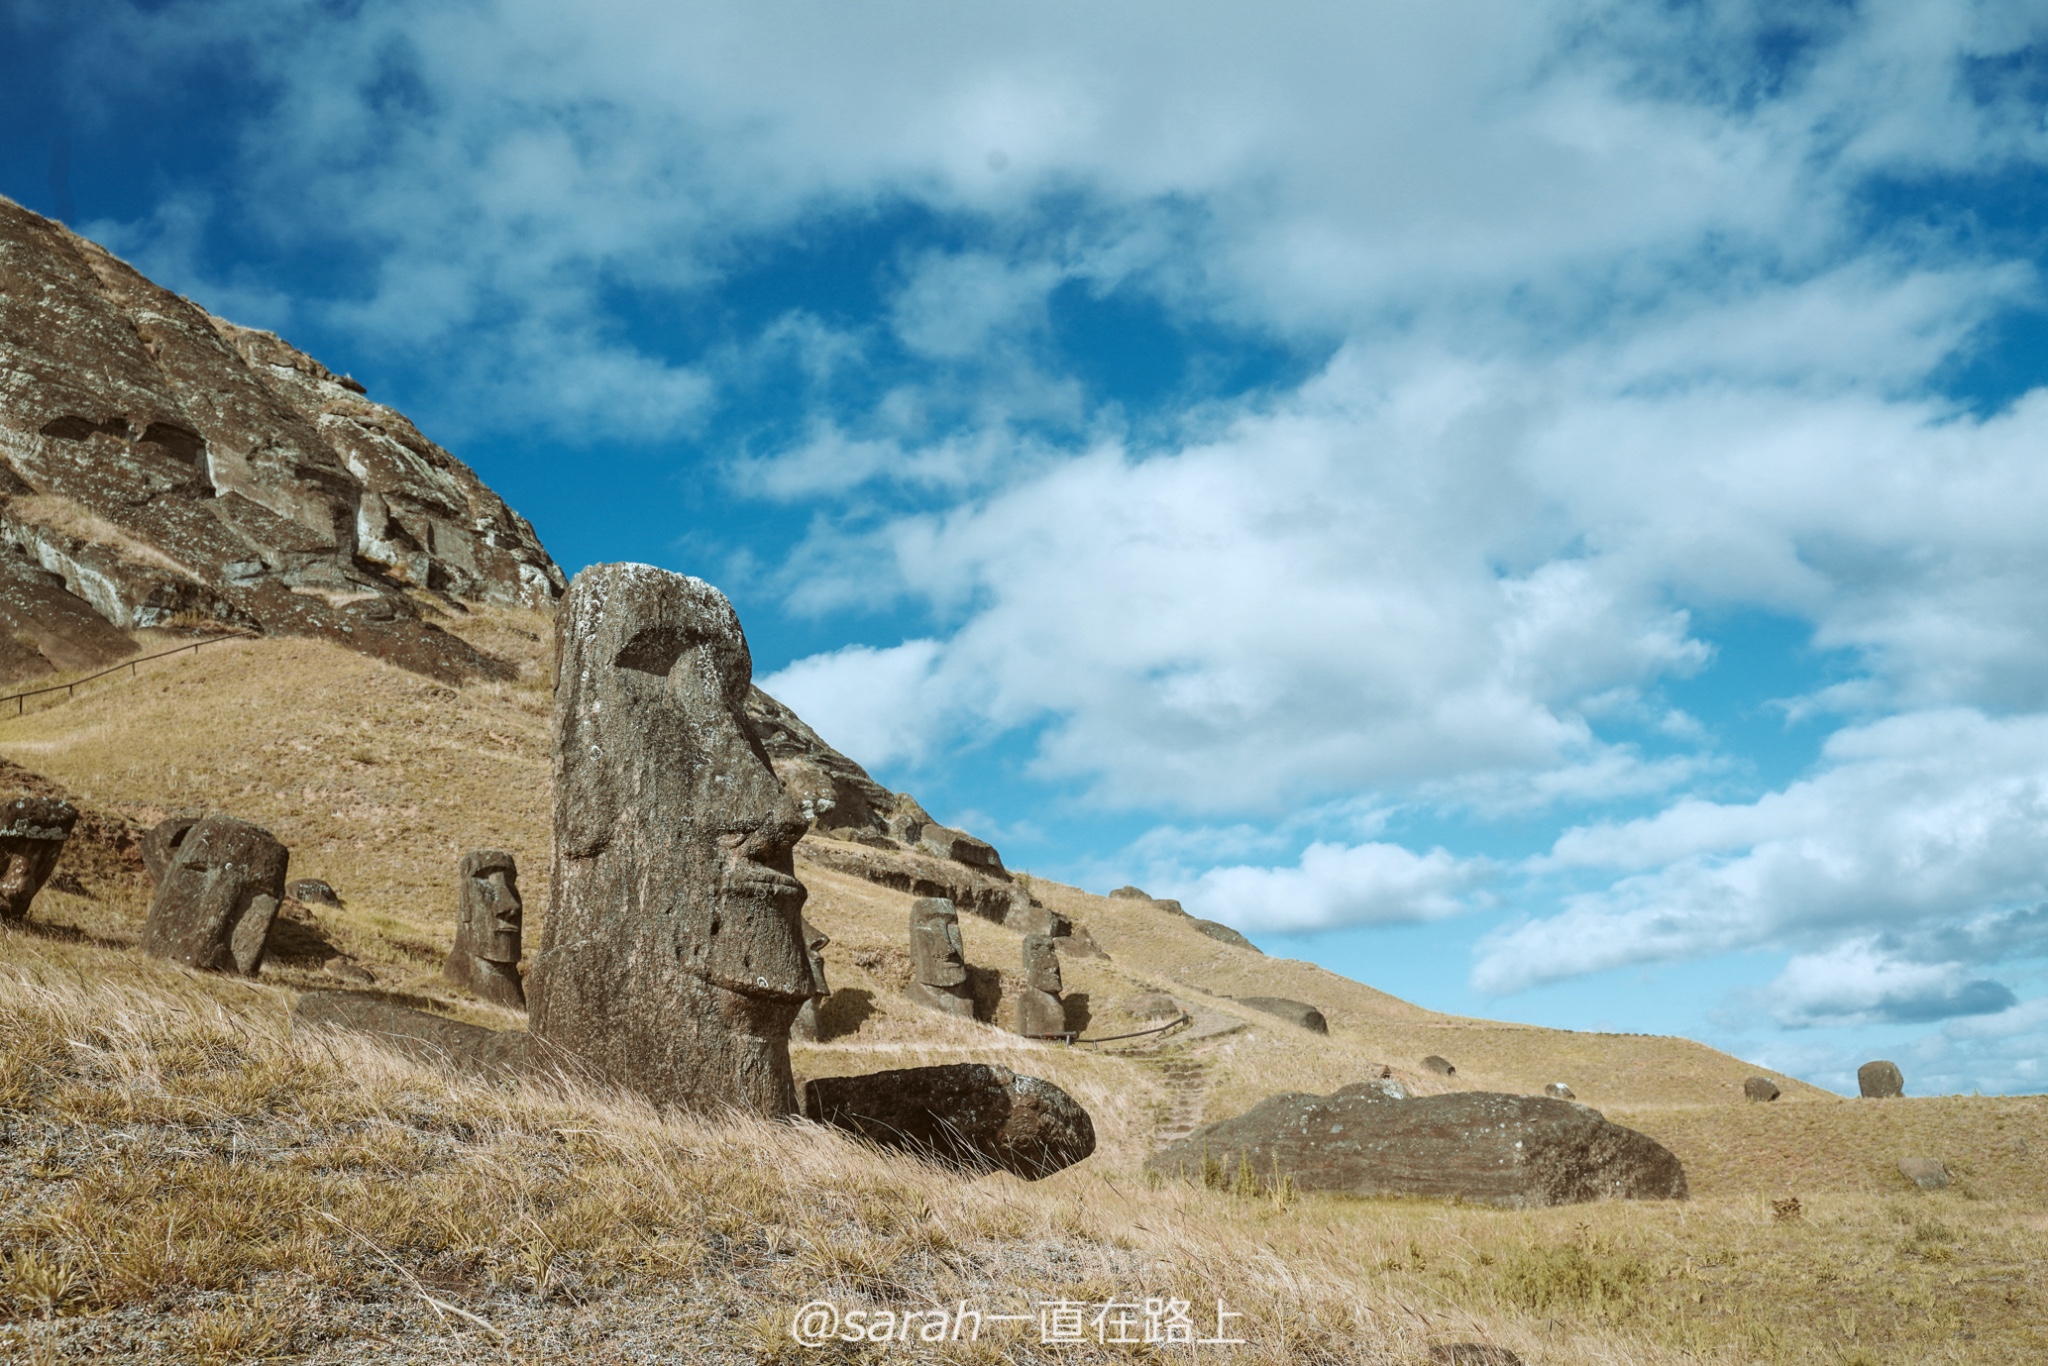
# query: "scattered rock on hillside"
1928, 1173
1223, 934
1170, 906
973, 1116
1557, 1090
1441, 1066
1880, 1080
489, 917
1760, 1089
416, 1034
214, 906
992, 895
32, 835
311, 891
160, 466
1294, 1012
1516, 1151
1130, 894
672, 958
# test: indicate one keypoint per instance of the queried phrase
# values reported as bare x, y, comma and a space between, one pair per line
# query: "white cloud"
1858, 982
872, 703
1337, 885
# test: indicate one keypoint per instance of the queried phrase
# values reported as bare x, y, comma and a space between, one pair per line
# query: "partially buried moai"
806, 1026
217, 898
32, 835
938, 959
488, 915
672, 962
1040, 1012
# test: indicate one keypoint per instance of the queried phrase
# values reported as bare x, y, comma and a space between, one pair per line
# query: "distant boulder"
1514, 1151
1130, 894
1223, 934
1557, 1090
1928, 1173
1294, 1012
942, 841
1880, 1080
1441, 1066
972, 1116
311, 891
1382, 1088
1170, 906
1760, 1089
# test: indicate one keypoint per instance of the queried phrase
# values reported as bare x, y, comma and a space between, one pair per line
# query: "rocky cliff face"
161, 467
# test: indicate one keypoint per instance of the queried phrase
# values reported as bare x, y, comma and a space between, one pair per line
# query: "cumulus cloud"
1859, 983
1334, 885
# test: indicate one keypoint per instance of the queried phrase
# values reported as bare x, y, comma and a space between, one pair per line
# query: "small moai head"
214, 907
1041, 963
160, 842
815, 941
491, 913
32, 835
935, 948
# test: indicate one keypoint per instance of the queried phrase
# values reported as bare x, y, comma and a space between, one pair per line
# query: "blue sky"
1537, 506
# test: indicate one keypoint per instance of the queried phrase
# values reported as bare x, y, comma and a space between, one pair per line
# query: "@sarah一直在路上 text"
1137, 1322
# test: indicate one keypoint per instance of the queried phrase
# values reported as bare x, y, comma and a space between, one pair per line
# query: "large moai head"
488, 919
215, 902
936, 952
805, 1026
1041, 963
672, 961
32, 835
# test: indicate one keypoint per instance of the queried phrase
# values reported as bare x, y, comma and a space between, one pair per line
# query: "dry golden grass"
184, 1178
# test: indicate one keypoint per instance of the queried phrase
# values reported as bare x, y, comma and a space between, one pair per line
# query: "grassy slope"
378, 780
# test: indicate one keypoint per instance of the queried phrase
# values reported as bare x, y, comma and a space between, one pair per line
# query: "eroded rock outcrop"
973, 1116
162, 466
32, 834
1483, 1147
672, 961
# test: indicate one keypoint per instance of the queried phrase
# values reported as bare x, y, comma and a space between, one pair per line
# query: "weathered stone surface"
103, 855
1441, 1066
943, 841
1170, 906
1516, 1151
672, 961
417, 1034
1880, 1080
311, 891
1294, 1012
1381, 1088
215, 903
160, 842
805, 1027
489, 916
1042, 964
163, 464
1760, 1089
1150, 1005
973, 1116
990, 895
1928, 1173
32, 835
938, 958
1558, 1090
1040, 1012
1223, 934
1130, 894
835, 794
1029, 916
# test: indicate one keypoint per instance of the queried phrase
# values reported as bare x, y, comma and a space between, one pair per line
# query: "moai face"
673, 957
814, 949
1041, 964
492, 912
218, 897
935, 947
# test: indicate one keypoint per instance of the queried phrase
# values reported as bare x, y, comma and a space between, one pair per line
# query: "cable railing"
1071, 1037
20, 699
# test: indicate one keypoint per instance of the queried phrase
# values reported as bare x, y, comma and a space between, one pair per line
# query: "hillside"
183, 1171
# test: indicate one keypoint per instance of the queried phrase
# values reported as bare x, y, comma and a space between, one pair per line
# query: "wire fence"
1074, 1037
70, 690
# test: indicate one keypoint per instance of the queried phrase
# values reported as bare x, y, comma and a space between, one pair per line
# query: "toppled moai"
32, 835
672, 962
1040, 1012
1880, 1080
938, 959
160, 843
217, 898
806, 1026
488, 917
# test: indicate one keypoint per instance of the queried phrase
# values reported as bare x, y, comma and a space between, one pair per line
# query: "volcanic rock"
160, 842
215, 903
938, 959
1557, 1090
489, 916
1880, 1080
1130, 894
972, 1116
1441, 1066
1517, 1151
1294, 1012
311, 891
1760, 1089
1223, 934
32, 835
159, 465
942, 841
672, 961
1040, 1012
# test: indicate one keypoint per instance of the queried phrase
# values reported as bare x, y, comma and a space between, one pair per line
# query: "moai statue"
32, 835
485, 961
215, 902
672, 962
1040, 1012
938, 960
160, 843
806, 1026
